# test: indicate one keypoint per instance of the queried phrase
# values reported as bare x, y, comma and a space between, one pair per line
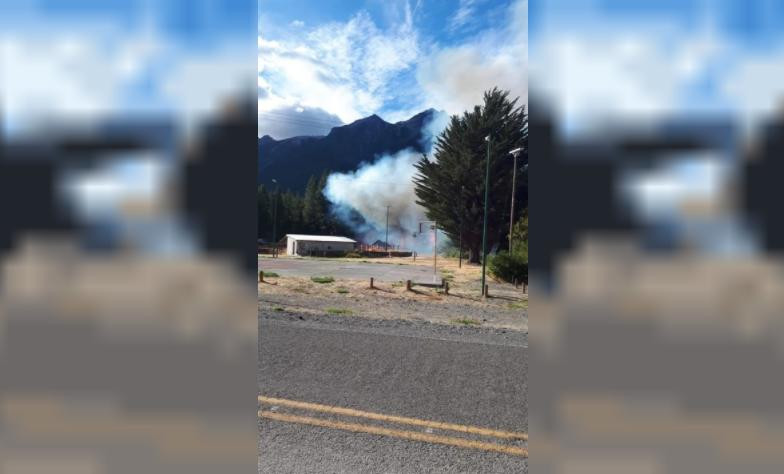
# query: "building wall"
304, 247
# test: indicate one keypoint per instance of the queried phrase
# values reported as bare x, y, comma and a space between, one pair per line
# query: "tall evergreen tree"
451, 187
264, 213
311, 207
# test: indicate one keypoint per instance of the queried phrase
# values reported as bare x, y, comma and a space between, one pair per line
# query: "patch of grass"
322, 279
342, 290
339, 311
271, 275
397, 284
466, 322
521, 305
278, 308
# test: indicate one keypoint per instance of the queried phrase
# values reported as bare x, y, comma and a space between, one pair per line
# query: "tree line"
302, 214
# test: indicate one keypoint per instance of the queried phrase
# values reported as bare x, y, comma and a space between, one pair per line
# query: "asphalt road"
465, 376
346, 270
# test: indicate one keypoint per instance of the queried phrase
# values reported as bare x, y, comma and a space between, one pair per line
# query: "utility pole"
514, 153
484, 225
434, 226
275, 220
435, 252
460, 237
386, 239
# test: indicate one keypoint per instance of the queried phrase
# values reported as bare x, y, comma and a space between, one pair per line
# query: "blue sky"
331, 62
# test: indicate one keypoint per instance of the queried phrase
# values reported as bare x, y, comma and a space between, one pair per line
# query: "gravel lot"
350, 295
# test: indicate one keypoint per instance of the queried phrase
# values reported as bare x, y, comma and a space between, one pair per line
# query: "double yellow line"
404, 434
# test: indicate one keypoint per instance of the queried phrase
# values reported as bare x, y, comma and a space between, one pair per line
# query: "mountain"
294, 160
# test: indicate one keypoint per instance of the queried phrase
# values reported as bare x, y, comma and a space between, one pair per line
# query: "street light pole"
514, 153
386, 239
484, 225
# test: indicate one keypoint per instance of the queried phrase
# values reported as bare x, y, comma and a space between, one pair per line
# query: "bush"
509, 267
322, 279
353, 254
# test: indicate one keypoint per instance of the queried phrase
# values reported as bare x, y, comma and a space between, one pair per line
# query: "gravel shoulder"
391, 301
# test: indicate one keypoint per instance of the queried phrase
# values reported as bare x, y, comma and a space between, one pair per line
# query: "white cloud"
297, 23
463, 15
345, 69
354, 69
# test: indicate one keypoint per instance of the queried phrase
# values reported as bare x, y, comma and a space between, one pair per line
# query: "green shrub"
466, 322
324, 279
353, 254
509, 267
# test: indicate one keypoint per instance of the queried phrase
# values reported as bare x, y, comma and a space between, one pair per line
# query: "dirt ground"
506, 308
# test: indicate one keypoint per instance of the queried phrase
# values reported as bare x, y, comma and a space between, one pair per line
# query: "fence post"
408, 285
446, 287
371, 282
261, 276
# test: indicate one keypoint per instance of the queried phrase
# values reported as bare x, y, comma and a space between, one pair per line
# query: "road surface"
346, 395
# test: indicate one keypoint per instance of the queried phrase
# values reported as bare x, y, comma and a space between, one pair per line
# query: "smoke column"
386, 182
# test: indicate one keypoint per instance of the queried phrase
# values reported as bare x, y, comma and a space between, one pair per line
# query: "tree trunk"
473, 253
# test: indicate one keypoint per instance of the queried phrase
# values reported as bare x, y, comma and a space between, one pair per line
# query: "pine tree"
311, 210
451, 187
520, 236
264, 213
322, 204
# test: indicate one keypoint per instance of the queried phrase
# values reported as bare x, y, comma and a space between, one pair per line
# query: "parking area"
340, 269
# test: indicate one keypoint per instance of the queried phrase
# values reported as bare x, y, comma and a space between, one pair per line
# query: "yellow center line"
394, 419
409, 435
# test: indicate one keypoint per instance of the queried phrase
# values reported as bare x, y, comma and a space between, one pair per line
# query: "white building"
298, 244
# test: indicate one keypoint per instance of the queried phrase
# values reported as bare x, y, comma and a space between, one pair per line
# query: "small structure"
299, 244
381, 244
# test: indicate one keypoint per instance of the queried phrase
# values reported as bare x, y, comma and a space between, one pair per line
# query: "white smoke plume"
389, 181
454, 78
373, 187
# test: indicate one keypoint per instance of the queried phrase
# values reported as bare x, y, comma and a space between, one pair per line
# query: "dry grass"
384, 291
